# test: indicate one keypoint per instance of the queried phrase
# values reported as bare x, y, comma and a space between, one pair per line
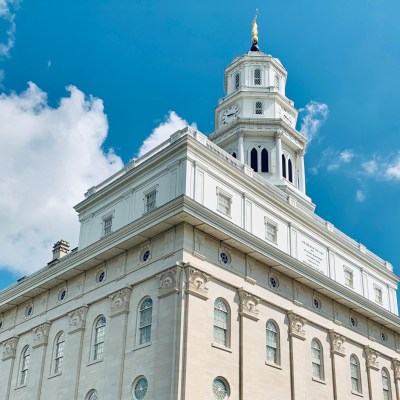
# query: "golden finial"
254, 30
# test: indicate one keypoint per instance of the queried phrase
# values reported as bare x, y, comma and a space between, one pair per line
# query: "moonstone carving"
296, 325
196, 282
169, 281
120, 302
371, 358
337, 341
77, 319
248, 305
9, 348
41, 335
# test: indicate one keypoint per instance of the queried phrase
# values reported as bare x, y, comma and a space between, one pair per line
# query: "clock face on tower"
229, 114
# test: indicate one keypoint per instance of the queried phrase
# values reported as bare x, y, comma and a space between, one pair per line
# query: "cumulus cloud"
48, 158
393, 169
173, 122
313, 116
360, 196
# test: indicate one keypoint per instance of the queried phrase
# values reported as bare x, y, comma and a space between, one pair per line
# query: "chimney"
60, 249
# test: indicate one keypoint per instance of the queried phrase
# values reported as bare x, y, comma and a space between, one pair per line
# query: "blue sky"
132, 67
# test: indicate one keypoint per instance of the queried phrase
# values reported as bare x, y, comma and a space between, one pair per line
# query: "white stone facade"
196, 275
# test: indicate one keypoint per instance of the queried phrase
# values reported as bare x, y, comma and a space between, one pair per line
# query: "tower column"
240, 148
302, 187
278, 151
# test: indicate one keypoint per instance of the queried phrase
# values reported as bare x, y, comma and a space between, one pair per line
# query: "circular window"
224, 258
62, 294
101, 276
28, 311
383, 336
316, 304
273, 282
220, 389
140, 388
353, 322
146, 255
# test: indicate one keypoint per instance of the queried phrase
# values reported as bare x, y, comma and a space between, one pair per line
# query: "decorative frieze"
120, 302
77, 319
248, 305
9, 348
169, 281
41, 335
371, 358
296, 325
196, 282
337, 341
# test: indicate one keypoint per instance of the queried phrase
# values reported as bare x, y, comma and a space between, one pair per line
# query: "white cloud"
393, 170
360, 196
313, 115
370, 167
346, 156
7, 8
48, 158
173, 122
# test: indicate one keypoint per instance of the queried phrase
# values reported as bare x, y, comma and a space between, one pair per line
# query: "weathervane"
254, 34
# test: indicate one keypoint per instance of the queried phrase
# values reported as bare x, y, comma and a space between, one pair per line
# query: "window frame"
58, 359
321, 374
154, 203
347, 270
385, 375
358, 373
107, 229
258, 107
378, 297
135, 383
144, 330
257, 81
98, 339
224, 326
277, 357
24, 366
236, 81
269, 222
220, 207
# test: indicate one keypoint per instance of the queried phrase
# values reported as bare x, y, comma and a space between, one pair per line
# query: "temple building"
203, 272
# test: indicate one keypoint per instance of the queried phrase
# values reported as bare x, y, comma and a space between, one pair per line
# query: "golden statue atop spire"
254, 30
254, 34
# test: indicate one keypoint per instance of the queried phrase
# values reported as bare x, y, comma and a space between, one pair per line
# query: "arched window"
98, 338
146, 319
257, 77
272, 342
317, 360
258, 109
386, 385
290, 170
283, 166
221, 322
264, 160
237, 81
234, 155
355, 374
25, 359
254, 159
59, 353
92, 395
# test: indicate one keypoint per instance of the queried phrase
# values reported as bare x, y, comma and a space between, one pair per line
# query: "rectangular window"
271, 231
224, 203
107, 224
378, 294
151, 200
348, 277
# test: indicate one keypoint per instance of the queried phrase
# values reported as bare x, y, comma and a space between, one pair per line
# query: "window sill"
141, 346
224, 214
357, 393
221, 347
55, 375
94, 362
20, 387
273, 365
318, 380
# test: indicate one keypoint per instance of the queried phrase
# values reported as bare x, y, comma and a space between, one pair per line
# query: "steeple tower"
256, 123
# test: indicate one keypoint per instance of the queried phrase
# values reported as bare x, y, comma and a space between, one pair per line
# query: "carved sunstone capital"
396, 368
77, 319
169, 281
196, 282
248, 305
296, 325
41, 335
337, 341
371, 358
9, 348
120, 302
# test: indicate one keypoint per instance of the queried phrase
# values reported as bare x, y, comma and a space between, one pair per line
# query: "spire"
254, 34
